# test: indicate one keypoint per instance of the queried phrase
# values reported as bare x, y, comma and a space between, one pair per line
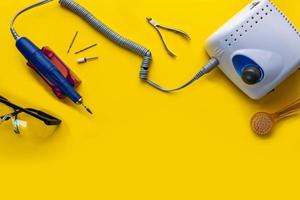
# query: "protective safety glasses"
26, 121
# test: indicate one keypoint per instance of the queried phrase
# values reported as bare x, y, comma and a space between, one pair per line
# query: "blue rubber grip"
35, 56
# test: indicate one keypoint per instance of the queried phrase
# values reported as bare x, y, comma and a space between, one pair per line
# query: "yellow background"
141, 143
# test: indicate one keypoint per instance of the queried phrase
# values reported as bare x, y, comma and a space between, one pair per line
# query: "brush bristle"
262, 123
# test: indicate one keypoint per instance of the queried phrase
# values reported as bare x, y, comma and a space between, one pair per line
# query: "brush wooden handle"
290, 110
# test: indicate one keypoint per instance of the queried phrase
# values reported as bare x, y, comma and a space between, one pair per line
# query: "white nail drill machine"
257, 49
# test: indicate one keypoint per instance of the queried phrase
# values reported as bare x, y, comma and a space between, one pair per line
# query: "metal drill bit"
80, 102
87, 108
72, 43
87, 48
84, 60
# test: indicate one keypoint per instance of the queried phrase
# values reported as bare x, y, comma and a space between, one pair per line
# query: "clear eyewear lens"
28, 125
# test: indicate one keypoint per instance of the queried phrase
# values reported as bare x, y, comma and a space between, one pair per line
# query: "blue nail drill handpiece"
43, 64
35, 56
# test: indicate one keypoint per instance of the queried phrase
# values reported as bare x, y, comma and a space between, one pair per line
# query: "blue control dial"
250, 72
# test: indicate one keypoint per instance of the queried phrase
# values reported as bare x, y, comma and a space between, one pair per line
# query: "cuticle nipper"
158, 26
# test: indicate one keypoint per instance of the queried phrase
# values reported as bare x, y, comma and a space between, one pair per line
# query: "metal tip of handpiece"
89, 111
87, 108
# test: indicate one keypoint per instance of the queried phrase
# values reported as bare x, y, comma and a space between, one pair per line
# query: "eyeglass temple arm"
46, 118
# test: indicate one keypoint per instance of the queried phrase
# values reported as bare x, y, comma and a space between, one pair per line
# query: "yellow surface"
141, 143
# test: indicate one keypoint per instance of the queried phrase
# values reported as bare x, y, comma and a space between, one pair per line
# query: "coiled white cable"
132, 46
